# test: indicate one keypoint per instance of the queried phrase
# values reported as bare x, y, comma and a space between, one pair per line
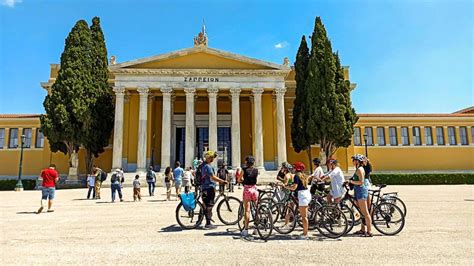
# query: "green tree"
98, 132
67, 104
299, 137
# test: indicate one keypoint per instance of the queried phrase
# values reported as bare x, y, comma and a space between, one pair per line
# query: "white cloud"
10, 3
281, 45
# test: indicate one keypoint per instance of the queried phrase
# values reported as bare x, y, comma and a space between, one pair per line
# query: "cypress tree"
97, 135
67, 104
299, 136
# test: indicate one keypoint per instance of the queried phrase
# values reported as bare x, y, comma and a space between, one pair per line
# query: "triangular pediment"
200, 57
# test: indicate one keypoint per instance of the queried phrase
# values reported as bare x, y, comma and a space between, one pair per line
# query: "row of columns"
190, 126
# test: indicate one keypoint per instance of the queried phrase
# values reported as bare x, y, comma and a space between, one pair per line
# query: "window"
428, 136
393, 136
472, 134
463, 133
416, 136
381, 136
28, 136
370, 136
405, 137
452, 136
357, 136
440, 135
39, 143
2, 137
13, 138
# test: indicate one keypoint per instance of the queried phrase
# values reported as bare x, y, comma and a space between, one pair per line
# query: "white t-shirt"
318, 173
337, 182
187, 176
91, 180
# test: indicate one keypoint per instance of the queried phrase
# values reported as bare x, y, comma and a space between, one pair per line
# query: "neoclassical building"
174, 106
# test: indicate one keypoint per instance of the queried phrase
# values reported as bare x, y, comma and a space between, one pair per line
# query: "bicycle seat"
381, 185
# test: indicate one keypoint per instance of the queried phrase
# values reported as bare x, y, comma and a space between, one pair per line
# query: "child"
91, 186
136, 189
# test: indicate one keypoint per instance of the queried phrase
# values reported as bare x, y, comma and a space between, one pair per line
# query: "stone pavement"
439, 230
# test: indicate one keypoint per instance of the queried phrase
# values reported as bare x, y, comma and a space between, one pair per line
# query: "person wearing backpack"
223, 174
151, 180
197, 176
115, 185
98, 174
208, 186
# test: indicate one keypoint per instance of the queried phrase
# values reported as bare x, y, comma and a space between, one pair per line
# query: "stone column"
281, 127
190, 127
166, 129
257, 115
142, 129
212, 93
235, 130
118, 128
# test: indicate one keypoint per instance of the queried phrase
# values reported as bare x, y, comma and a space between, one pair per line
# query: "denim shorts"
47, 193
361, 192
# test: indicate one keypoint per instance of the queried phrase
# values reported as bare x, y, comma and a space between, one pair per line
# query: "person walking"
361, 193
116, 185
208, 187
222, 174
136, 189
300, 186
168, 179
177, 178
238, 176
98, 180
151, 180
232, 180
250, 190
187, 177
50, 177
90, 186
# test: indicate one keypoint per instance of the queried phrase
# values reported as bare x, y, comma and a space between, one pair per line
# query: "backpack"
198, 178
114, 178
149, 175
103, 176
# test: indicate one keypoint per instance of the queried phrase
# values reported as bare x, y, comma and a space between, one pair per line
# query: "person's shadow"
26, 213
171, 228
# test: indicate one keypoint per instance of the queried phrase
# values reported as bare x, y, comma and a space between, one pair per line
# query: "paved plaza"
439, 230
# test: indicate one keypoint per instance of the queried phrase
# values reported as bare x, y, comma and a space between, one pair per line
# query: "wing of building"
174, 106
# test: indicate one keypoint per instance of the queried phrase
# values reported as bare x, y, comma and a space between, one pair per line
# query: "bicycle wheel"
228, 210
263, 222
333, 220
312, 209
388, 219
349, 216
189, 219
241, 221
397, 201
284, 218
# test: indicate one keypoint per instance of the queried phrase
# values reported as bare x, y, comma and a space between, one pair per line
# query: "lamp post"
365, 142
19, 184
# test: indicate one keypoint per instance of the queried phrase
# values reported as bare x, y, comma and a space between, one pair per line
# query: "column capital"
212, 91
166, 91
235, 92
280, 91
257, 91
119, 90
190, 91
143, 91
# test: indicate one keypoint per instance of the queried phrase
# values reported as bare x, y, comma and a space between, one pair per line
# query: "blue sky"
405, 56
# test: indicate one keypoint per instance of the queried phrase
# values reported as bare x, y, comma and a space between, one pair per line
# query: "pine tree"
67, 105
299, 137
102, 110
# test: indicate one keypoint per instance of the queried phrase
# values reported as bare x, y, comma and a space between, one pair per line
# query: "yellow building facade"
174, 106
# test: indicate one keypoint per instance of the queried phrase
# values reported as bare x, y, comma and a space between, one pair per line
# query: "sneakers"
39, 210
244, 233
210, 226
302, 237
50, 210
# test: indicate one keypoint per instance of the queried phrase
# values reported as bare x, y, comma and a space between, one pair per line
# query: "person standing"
151, 180
116, 185
178, 177
361, 193
208, 187
250, 190
315, 178
187, 177
168, 179
91, 186
231, 180
136, 189
337, 182
222, 174
98, 180
238, 176
50, 177
300, 186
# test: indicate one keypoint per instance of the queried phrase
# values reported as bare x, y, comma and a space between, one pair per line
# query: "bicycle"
260, 216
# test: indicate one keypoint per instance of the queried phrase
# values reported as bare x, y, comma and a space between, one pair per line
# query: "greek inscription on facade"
200, 79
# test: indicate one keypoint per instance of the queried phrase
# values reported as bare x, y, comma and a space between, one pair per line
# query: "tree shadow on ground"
171, 228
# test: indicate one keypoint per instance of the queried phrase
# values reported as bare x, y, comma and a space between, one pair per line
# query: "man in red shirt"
50, 177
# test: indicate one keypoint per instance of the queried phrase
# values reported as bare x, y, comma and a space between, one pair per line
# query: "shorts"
208, 196
177, 184
47, 193
250, 193
304, 198
361, 193
186, 183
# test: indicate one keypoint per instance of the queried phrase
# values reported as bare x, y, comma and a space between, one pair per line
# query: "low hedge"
28, 184
422, 179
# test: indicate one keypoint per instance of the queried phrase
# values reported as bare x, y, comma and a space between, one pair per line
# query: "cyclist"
300, 186
361, 193
208, 186
337, 182
315, 178
250, 190
284, 175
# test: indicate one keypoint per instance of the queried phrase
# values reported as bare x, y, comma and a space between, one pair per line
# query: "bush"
28, 184
422, 179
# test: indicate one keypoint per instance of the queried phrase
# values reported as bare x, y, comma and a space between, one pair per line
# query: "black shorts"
208, 196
